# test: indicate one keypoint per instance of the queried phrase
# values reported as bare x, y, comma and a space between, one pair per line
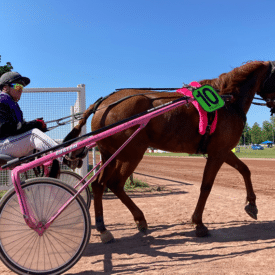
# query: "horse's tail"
77, 129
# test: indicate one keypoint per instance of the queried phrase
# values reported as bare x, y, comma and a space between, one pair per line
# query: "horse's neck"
247, 93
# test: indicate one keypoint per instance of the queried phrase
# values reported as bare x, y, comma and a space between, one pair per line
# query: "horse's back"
134, 102
172, 131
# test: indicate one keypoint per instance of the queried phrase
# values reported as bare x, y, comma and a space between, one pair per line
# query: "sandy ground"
237, 244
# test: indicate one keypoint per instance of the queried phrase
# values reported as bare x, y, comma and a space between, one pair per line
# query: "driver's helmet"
13, 77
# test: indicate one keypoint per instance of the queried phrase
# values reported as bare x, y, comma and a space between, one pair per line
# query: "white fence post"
81, 98
94, 159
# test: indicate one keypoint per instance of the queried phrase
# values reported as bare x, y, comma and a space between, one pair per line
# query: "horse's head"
268, 90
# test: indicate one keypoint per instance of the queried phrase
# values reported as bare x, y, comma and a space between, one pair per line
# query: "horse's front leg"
211, 169
236, 163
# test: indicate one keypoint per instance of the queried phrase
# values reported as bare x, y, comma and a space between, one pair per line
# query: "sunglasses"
16, 86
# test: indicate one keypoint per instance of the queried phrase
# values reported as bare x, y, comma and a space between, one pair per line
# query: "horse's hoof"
201, 231
107, 237
142, 226
251, 210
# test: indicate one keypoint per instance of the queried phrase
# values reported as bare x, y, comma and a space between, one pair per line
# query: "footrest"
12, 162
5, 158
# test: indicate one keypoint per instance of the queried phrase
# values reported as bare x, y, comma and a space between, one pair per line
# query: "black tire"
72, 178
61, 245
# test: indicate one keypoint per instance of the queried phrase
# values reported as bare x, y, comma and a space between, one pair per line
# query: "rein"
189, 87
97, 103
108, 127
59, 122
79, 116
259, 104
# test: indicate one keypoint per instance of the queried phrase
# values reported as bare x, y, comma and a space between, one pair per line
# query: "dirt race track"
237, 244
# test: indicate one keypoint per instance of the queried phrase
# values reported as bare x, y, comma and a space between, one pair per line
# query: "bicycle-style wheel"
60, 246
72, 178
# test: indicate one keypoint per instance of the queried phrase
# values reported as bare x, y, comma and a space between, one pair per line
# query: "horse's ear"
73, 134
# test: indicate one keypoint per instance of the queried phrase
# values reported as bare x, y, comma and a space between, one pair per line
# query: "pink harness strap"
203, 114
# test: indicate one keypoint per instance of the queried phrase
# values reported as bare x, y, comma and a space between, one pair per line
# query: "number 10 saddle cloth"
203, 123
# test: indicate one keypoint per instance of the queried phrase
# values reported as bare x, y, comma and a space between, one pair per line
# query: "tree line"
257, 134
6, 68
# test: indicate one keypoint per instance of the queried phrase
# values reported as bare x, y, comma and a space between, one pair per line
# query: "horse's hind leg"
236, 163
125, 166
117, 188
98, 186
105, 235
114, 176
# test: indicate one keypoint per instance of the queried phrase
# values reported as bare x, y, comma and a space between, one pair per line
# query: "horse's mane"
230, 83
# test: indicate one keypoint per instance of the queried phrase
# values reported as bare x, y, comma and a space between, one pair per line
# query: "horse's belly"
176, 141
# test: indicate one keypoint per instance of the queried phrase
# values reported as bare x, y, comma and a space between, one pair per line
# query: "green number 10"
206, 98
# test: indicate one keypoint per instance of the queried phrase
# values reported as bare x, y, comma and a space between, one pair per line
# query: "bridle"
268, 100
268, 88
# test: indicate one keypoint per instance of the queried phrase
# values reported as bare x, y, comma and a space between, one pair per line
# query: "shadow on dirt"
170, 180
181, 238
146, 193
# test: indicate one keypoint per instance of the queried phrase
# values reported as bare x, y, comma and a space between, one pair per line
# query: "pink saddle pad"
203, 114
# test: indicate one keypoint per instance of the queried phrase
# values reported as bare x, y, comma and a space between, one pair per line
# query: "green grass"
135, 185
244, 153
168, 154
2, 193
249, 153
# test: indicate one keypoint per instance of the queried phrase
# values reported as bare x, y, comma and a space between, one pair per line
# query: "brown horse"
177, 131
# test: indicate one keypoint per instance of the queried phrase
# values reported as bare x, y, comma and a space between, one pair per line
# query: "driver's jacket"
11, 118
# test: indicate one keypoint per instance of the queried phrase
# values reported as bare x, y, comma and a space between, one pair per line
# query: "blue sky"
110, 44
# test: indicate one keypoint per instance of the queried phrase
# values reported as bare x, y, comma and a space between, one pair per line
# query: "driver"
19, 138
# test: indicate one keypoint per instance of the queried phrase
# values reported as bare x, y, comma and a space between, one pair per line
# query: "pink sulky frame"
89, 142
